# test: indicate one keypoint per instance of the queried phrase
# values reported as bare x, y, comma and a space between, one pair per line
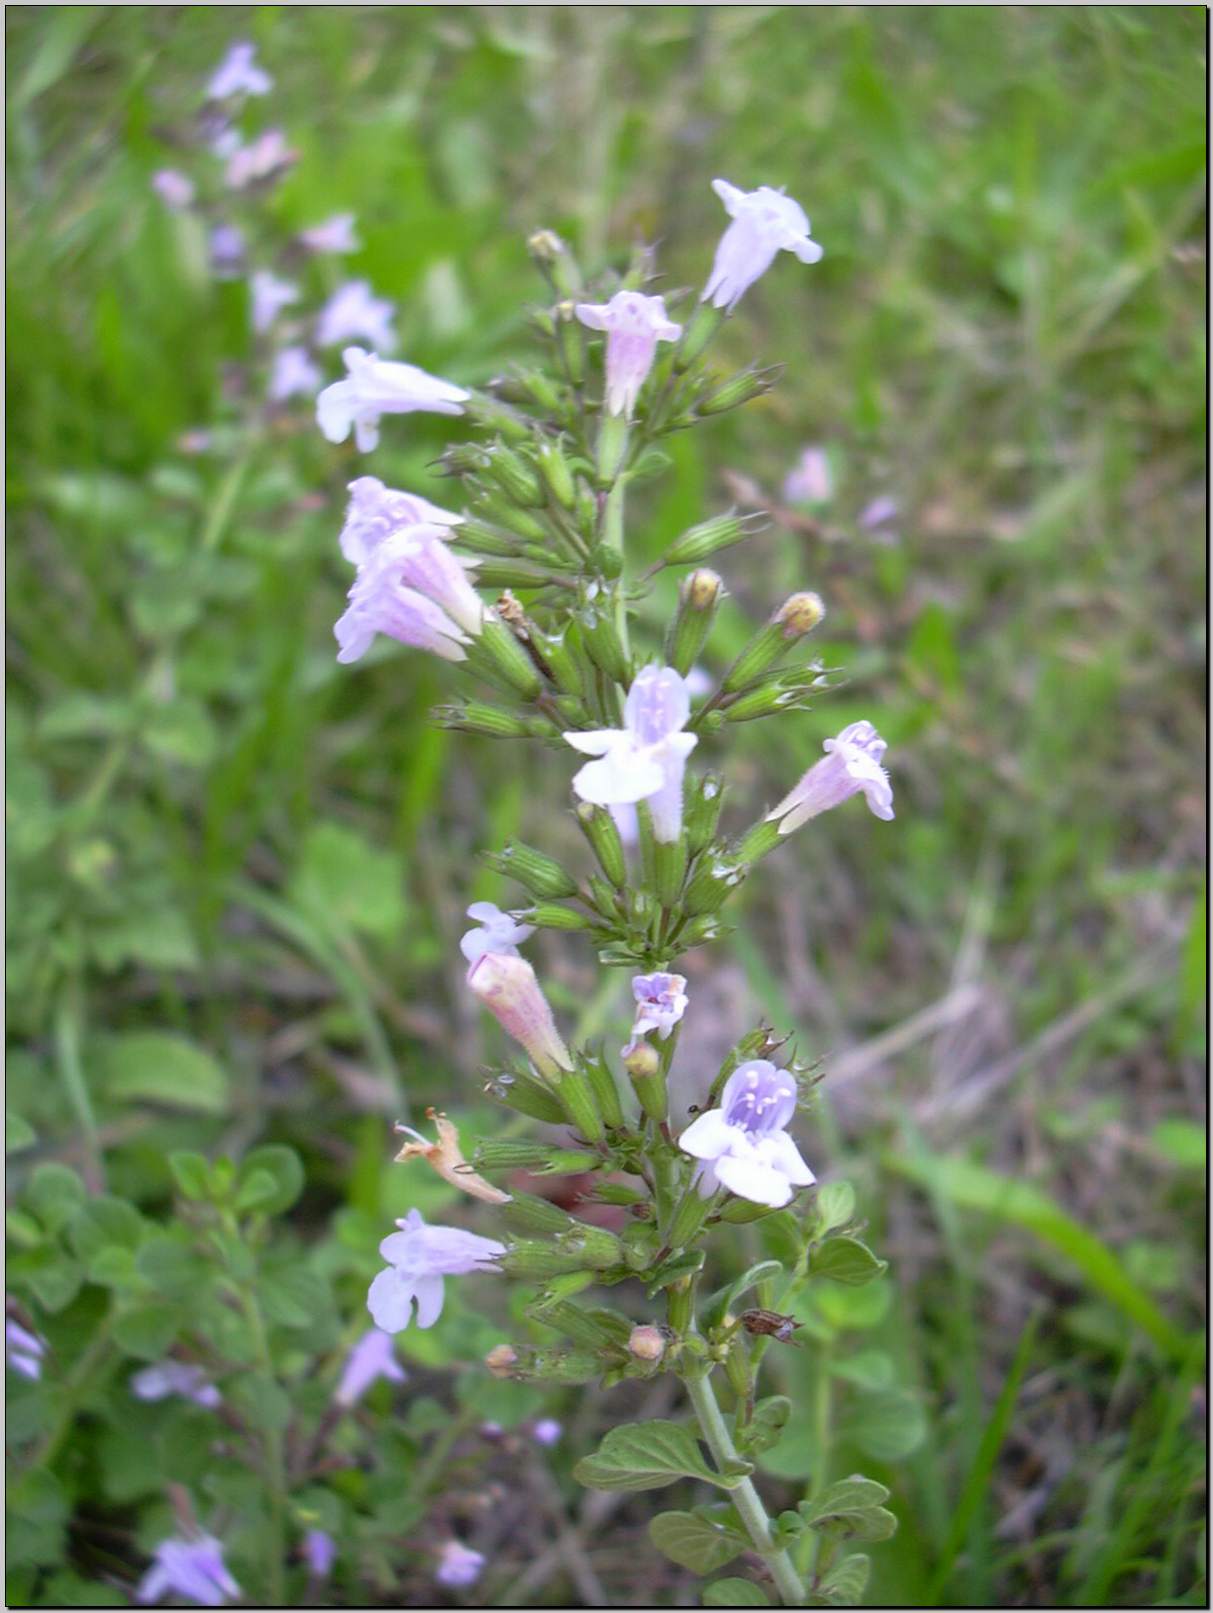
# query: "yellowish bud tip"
800, 614
501, 1360
641, 1060
647, 1343
703, 588
545, 246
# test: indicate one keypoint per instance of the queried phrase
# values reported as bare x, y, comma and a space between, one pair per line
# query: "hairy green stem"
745, 1497
275, 1457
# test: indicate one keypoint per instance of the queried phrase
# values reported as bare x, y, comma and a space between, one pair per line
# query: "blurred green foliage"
237, 871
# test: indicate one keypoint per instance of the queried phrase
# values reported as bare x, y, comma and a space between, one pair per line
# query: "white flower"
293, 375
374, 387
238, 74
851, 764
765, 221
497, 932
375, 512
645, 760
419, 1257
335, 234
269, 297
354, 313
634, 325
744, 1145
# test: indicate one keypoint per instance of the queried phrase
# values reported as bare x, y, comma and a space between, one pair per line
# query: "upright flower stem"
745, 1497
275, 1459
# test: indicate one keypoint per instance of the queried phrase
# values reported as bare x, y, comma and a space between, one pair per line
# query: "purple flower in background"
175, 190
238, 74
419, 1257
227, 251
634, 325
375, 387
268, 154
879, 512
381, 602
190, 1569
375, 512
293, 375
509, 989
744, 1145
175, 1378
661, 1001
270, 296
319, 1552
809, 481
851, 764
764, 222
458, 1565
335, 234
645, 760
354, 313
497, 932
372, 1358
547, 1431
23, 1350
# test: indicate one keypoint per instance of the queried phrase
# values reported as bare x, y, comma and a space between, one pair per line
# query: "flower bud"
594, 1246
795, 617
555, 654
515, 477
514, 573
712, 883
555, 916
498, 652
501, 1360
571, 341
646, 1343
526, 1213
567, 1366
763, 837
669, 870
704, 927
495, 508
762, 701
598, 826
557, 263
738, 389
526, 1095
606, 1093
494, 415
542, 875
582, 1326
534, 1257
702, 812
474, 717
576, 1097
688, 1219
506, 1153
509, 990
605, 900
462, 459
557, 473
482, 539
698, 600
643, 1063
698, 542
602, 641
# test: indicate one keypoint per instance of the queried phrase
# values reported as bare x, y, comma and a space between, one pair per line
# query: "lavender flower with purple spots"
744, 1145
634, 324
851, 764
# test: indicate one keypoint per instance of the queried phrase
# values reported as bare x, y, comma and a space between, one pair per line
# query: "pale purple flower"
23, 1350
419, 1257
645, 760
270, 296
374, 387
375, 512
238, 74
851, 763
167, 1378
626, 821
354, 313
319, 1552
384, 598
227, 251
764, 221
547, 1432
496, 932
268, 154
293, 375
879, 512
661, 1001
335, 234
372, 1358
191, 1569
634, 325
175, 190
809, 481
224, 141
458, 1565
508, 988
699, 681
744, 1145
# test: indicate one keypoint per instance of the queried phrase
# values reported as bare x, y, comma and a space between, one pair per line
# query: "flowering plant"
556, 648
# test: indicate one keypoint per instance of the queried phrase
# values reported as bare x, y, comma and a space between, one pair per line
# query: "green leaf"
293, 1296
835, 1205
734, 1593
55, 1193
693, 1542
168, 1262
887, 1426
114, 1267
846, 1260
848, 1496
18, 1133
182, 732
684, 1264
974, 1187
1182, 1141
343, 877
256, 1189
846, 1582
261, 1401
768, 1423
869, 1369
147, 1330
646, 1456
192, 1174
105, 1222
54, 1279
284, 1166
725, 1299
163, 1068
